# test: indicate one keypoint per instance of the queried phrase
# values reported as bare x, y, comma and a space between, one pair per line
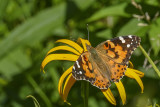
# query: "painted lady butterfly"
107, 62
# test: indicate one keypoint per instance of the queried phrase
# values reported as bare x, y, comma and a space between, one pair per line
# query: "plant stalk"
38, 90
85, 92
150, 61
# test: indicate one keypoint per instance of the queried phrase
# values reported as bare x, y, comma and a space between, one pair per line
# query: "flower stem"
38, 90
150, 61
84, 92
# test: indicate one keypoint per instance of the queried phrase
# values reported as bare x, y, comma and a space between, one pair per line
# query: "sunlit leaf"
117, 10
34, 29
14, 63
83, 4
132, 28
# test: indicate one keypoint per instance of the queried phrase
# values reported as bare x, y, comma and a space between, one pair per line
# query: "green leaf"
93, 102
105, 34
3, 6
83, 4
150, 73
132, 28
3, 29
34, 100
117, 10
154, 36
3, 82
14, 63
34, 29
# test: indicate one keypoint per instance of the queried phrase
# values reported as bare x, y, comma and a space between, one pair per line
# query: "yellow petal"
71, 43
84, 42
108, 94
51, 57
139, 73
61, 80
131, 64
121, 90
63, 48
67, 86
130, 73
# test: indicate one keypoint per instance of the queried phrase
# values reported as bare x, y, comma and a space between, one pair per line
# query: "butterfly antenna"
88, 32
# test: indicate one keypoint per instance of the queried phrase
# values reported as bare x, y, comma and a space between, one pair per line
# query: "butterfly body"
97, 61
107, 62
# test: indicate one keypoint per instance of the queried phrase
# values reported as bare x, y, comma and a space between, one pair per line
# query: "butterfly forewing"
118, 50
85, 69
82, 69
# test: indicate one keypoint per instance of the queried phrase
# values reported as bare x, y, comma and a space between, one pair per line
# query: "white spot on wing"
128, 45
80, 72
130, 36
77, 64
73, 67
122, 39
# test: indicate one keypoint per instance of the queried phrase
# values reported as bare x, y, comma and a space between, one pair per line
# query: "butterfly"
107, 62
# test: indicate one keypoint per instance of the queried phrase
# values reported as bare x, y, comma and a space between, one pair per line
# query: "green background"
29, 28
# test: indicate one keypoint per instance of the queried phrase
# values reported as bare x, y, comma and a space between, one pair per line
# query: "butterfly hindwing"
117, 71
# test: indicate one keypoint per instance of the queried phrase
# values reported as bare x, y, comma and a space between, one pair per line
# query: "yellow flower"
76, 49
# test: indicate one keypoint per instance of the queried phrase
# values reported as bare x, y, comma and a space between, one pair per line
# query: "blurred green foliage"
29, 28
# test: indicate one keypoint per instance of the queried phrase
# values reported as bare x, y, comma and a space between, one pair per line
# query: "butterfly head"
90, 49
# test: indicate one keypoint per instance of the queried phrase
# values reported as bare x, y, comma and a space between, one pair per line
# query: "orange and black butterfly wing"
118, 51
85, 69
